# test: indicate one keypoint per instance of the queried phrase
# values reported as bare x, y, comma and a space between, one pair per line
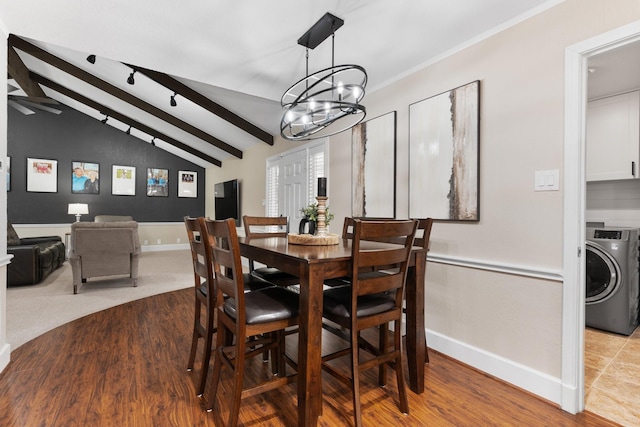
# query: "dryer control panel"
607, 234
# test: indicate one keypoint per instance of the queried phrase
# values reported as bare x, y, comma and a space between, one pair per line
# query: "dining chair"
261, 227
374, 299
203, 321
249, 323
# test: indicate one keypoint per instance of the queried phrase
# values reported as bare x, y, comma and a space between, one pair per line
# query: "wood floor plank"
126, 366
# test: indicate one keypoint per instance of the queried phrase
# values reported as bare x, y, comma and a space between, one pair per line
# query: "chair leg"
238, 374
355, 378
382, 346
196, 335
221, 337
208, 341
402, 387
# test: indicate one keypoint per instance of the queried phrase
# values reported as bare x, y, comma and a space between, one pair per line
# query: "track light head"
153, 141
91, 59
105, 119
130, 79
128, 132
173, 99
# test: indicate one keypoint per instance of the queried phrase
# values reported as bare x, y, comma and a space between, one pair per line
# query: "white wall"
493, 288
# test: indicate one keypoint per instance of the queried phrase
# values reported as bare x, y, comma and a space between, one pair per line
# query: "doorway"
573, 321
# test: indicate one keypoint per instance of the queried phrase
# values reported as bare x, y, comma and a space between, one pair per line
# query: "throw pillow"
12, 236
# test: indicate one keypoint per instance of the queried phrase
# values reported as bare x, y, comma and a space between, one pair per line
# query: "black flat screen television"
227, 197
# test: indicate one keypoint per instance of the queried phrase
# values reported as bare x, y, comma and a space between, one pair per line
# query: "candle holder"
321, 226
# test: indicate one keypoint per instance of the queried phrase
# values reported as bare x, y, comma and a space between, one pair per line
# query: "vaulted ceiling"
226, 63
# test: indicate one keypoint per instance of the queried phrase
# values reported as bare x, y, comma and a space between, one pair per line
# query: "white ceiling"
614, 71
242, 54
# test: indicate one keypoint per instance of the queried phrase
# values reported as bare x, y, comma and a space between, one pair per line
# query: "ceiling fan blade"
22, 109
40, 107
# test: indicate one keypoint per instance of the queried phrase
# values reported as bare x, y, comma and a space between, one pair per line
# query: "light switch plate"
547, 180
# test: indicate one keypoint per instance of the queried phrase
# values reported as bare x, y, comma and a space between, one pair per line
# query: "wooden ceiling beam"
20, 73
121, 117
204, 102
79, 73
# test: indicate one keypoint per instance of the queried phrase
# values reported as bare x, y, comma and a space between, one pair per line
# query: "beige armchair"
104, 249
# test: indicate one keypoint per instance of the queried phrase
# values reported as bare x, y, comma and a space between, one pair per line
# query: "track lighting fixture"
91, 59
153, 141
130, 79
106, 117
128, 132
173, 99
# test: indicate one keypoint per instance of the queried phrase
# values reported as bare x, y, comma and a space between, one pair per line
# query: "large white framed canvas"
444, 155
42, 175
373, 171
123, 180
187, 184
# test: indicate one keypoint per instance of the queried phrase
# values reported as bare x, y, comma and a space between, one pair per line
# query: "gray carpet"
33, 310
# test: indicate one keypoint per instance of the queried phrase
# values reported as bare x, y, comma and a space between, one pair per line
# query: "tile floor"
612, 375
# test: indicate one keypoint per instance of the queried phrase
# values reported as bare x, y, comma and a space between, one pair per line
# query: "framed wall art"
157, 182
85, 178
373, 171
42, 175
187, 184
443, 155
123, 180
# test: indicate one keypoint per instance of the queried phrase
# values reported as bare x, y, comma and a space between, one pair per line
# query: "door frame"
573, 290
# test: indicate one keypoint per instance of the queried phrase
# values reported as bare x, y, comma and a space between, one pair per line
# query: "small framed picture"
42, 175
187, 184
123, 180
85, 178
157, 182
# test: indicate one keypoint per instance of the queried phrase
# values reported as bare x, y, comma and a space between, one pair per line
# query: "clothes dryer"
612, 279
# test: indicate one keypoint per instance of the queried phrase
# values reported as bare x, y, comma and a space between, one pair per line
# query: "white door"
292, 191
292, 181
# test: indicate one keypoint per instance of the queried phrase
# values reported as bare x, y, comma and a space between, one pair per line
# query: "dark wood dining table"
313, 265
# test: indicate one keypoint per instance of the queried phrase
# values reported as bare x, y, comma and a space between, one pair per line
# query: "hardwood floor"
126, 366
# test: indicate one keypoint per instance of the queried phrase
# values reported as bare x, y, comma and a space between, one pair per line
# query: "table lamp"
78, 209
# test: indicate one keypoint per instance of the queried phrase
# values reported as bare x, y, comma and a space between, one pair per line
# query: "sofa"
100, 249
112, 218
34, 258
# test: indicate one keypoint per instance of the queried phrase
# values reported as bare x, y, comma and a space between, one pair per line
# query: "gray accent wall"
73, 136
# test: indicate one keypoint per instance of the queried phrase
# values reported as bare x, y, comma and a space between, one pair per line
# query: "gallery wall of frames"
54, 160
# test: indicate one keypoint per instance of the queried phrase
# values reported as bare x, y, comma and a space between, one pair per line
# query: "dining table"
313, 264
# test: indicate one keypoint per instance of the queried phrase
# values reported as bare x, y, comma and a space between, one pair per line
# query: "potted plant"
311, 218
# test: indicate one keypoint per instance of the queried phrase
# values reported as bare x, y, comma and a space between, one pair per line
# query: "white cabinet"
613, 137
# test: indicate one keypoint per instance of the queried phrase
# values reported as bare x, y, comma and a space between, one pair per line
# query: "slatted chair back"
402, 234
261, 227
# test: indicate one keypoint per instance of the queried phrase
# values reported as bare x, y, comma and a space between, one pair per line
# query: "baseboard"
524, 377
5, 356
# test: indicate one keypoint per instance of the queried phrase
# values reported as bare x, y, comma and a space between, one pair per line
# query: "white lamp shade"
78, 209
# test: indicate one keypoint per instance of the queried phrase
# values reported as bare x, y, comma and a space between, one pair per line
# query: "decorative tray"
309, 239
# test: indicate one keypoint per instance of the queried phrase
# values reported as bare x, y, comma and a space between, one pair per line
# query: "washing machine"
612, 279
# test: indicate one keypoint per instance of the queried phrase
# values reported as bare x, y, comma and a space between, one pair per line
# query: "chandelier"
326, 102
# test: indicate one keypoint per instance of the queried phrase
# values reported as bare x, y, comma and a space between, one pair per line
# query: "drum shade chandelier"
326, 102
